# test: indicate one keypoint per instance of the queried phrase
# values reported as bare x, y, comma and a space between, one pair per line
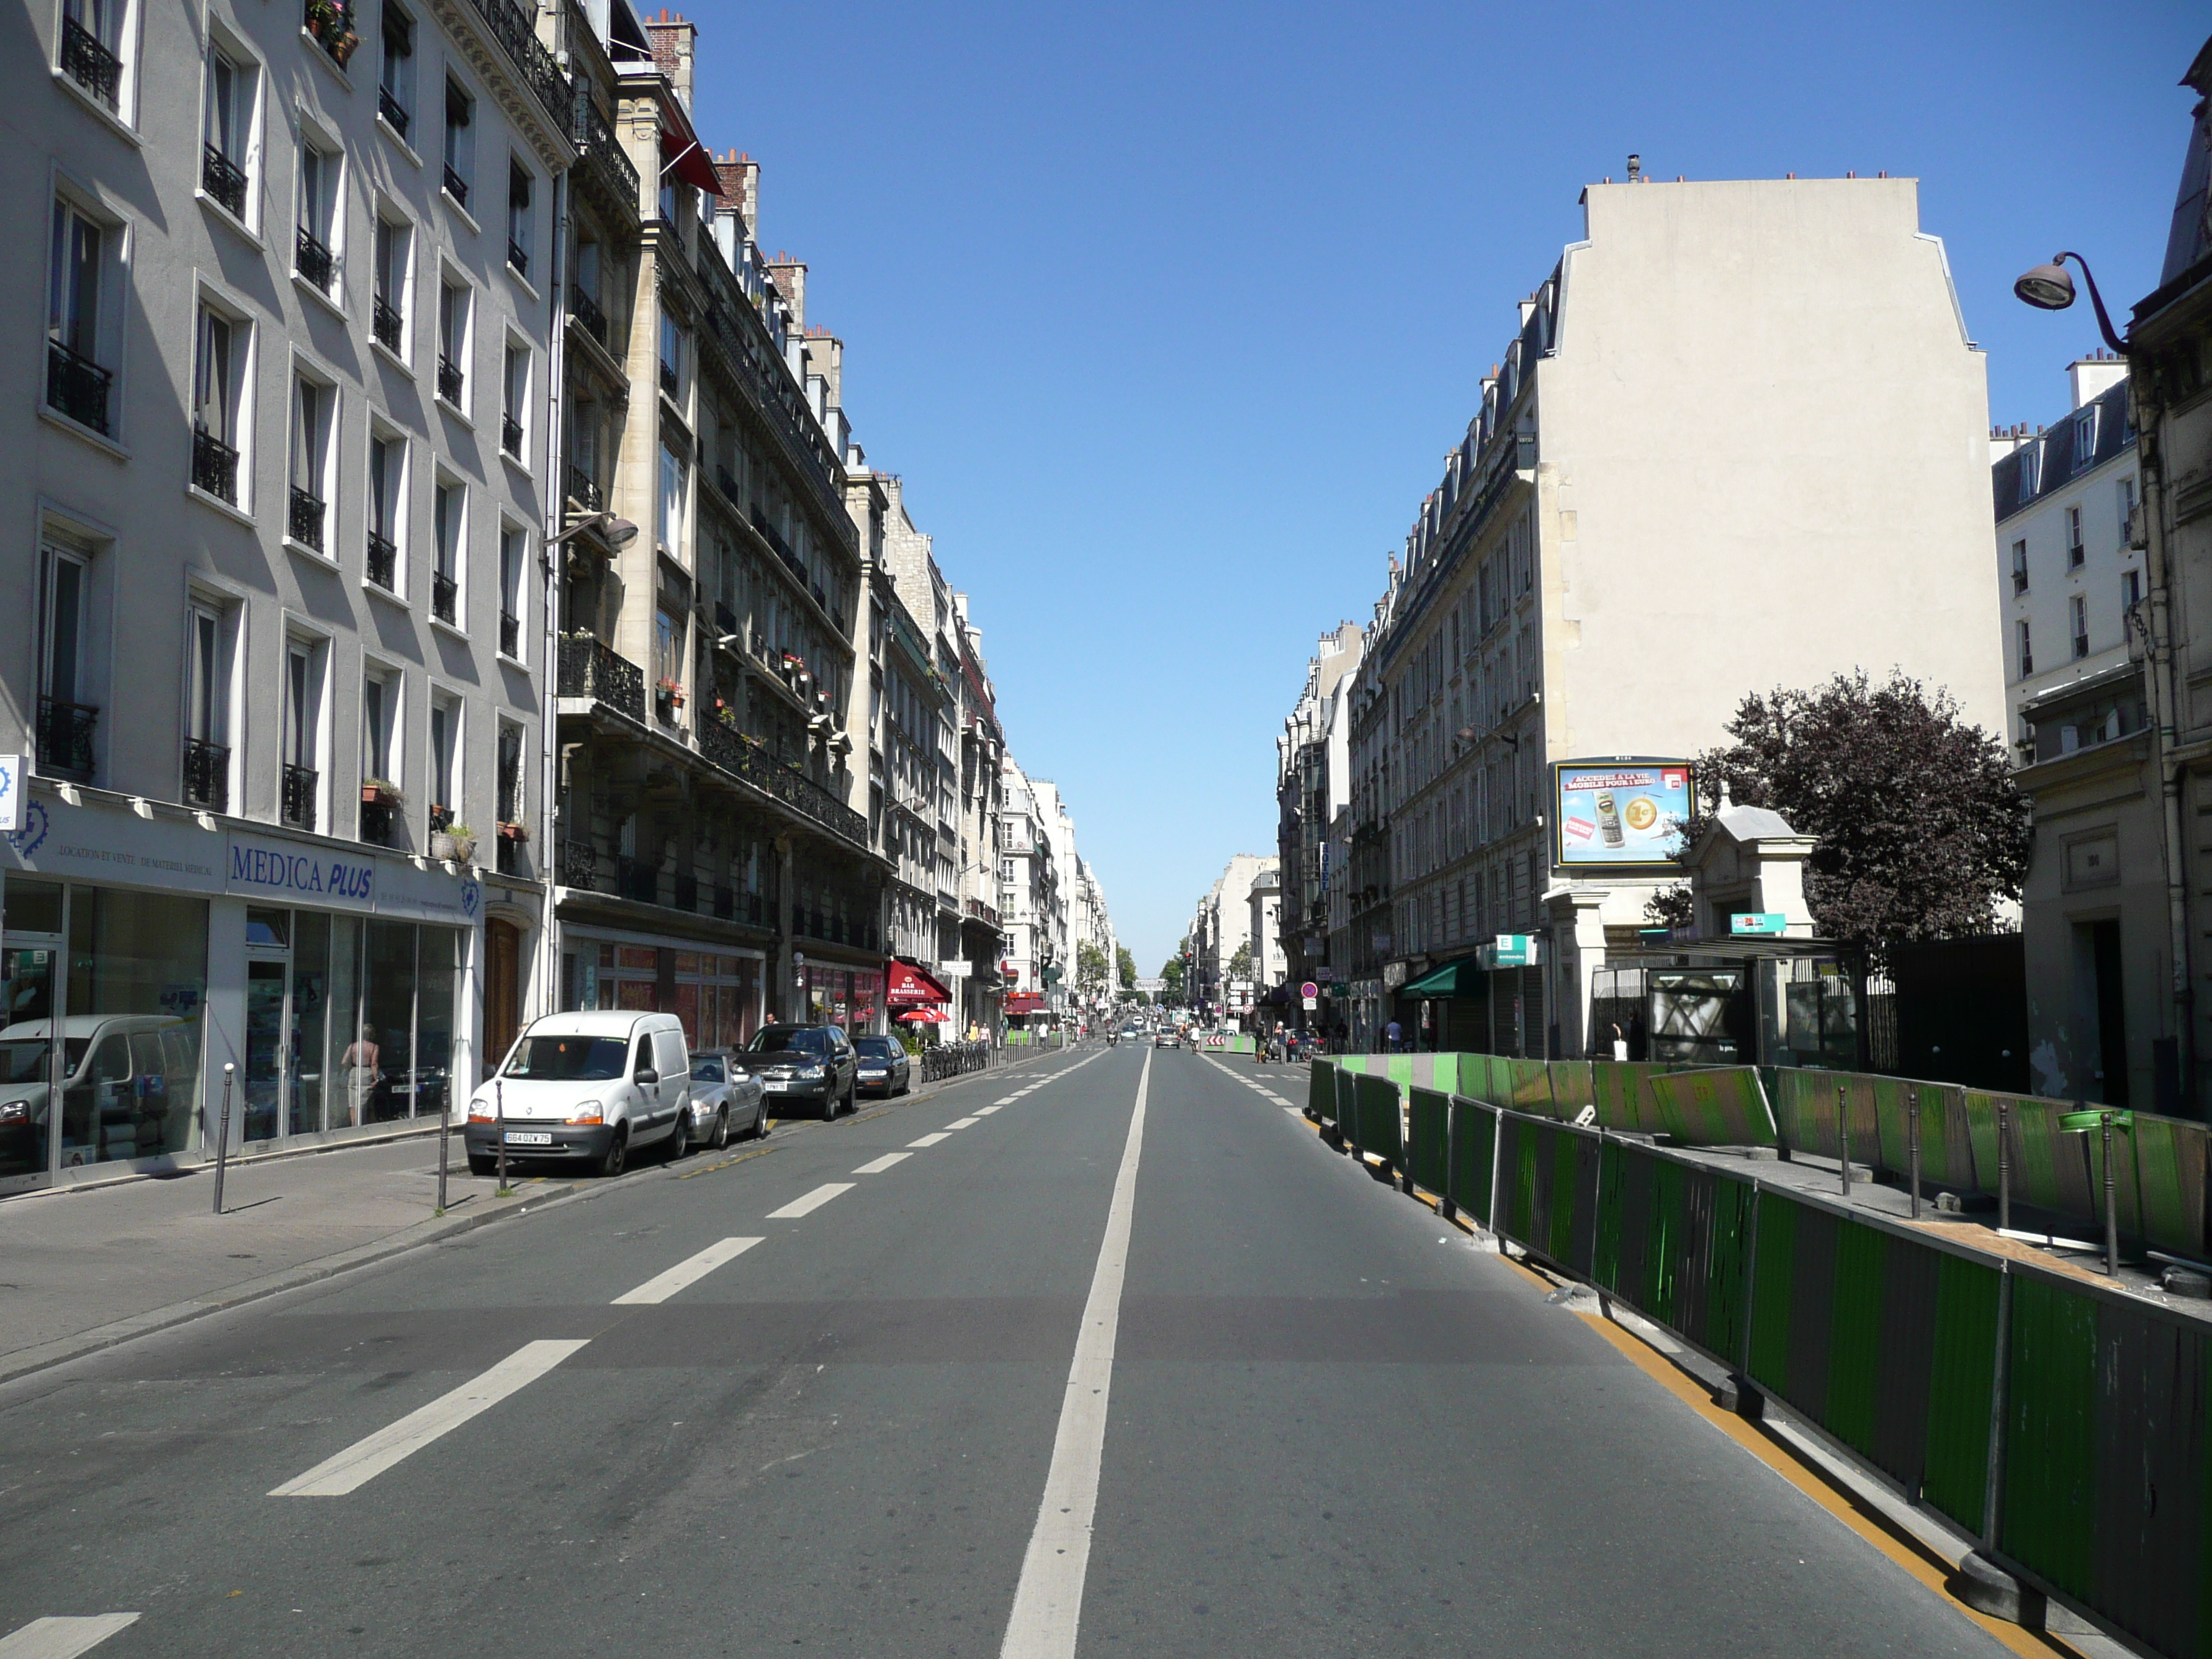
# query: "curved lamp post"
2048, 288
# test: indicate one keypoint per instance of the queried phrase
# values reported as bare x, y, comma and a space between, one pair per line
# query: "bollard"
1913, 1147
222, 1134
1843, 1134
445, 1135
499, 1108
2111, 1206
2004, 1165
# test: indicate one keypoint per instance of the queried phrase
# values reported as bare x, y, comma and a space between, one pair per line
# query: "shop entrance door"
502, 989
266, 1029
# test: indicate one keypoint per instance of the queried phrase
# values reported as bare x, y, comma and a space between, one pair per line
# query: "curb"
430, 1231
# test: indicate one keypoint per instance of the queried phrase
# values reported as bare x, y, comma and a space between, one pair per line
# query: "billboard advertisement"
1619, 813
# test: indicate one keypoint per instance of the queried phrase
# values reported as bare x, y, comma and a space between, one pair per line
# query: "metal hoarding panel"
1529, 1083
1855, 1333
1427, 1114
2048, 1508
1552, 1181
1962, 1383
1473, 1145
1722, 1106
2149, 1575
1905, 1367
1380, 1131
1571, 1088
1347, 1106
2171, 1162
1773, 1281
1320, 1089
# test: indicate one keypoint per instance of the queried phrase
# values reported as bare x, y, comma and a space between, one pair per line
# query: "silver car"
725, 1099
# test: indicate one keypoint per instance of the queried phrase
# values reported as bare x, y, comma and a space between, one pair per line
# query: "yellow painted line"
1873, 1528
757, 1151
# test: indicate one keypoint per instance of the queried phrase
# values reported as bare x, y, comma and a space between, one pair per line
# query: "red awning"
925, 1016
686, 157
1024, 1002
906, 985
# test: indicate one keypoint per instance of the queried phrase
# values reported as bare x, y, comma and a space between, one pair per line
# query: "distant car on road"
811, 1063
885, 1067
1164, 1038
725, 1099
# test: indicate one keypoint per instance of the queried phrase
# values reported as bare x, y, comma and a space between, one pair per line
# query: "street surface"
854, 1396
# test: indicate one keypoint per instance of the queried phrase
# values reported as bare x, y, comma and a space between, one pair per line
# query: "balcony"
64, 736
576, 864
508, 858
637, 881
456, 186
89, 62
393, 112
383, 563
450, 383
327, 21
389, 327
687, 892
207, 774
510, 636
304, 523
445, 596
379, 823
510, 435
584, 491
78, 387
733, 754
602, 156
215, 465
976, 910
514, 28
726, 903
223, 179
518, 257
670, 384
589, 669
315, 263
297, 804
586, 310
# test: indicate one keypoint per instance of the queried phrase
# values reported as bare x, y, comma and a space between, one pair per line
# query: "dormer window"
2085, 438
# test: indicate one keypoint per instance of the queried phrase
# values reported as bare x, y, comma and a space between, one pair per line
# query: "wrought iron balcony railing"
518, 256
586, 310
590, 669
388, 325
223, 179
637, 880
313, 261
305, 521
597, 141
445, 596
668, 384
576, 864
215, 465
297, 803
510, 435
394, 113
379, 823
730, 751
510, 636
64, 736
456, 186
207, 774
584, 491
87, 60
450, 383
383, 563
78, 387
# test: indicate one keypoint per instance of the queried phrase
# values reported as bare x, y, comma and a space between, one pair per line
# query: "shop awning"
1453, 979
907, 985
1024, 1002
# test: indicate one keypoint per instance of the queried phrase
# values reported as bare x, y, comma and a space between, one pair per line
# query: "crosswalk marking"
661, 1286
808, 1203
364, 1460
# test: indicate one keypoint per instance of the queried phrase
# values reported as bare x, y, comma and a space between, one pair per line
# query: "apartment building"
1029, 896
1220, 927
982, 800
1312, 775
277, 632
710, 860
1558, 581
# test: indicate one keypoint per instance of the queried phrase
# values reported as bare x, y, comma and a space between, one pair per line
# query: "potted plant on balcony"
669, 695
380, 792
327, 21
456, 842
517, 832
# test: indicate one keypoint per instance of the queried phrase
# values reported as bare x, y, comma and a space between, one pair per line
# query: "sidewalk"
85, 1269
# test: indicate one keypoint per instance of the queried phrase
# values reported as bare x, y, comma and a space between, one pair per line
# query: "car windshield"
876, 1048
568, 1059
802, 1039
707, 1068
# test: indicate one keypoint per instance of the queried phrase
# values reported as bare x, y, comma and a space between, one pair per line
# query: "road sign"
1512, 951
1770, 923
1309, 991
1149, 986
1312, 1003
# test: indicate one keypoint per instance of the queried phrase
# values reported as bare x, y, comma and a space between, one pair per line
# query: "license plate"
528, 1137
775, 1085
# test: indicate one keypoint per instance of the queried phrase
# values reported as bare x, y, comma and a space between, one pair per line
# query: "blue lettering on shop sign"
301, 872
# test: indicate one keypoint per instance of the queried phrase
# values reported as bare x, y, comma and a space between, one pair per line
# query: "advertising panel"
1620, 812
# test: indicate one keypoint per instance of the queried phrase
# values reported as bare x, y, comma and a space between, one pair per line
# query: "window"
448, 513
671, 358
510, 773
514, 396
219, 401
303, 710
2130, 590
314, 243
2020, 567
2074, 552
207, 709
519, 237
2127, 493
2077, 614
80, 375
379, 720
395, 81
314, 411
225, 150
445, 763
387, 486
65, 718
460, 110
453, 341
2085, 438
513, 551
2027, 649
667, 662
91, 49
669, 526
388, 315
2031, 469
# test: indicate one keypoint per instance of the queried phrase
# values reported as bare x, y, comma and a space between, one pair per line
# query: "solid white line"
63, 1638
877, 1166
1049, 1600
364, 1460
661, 1286
810, 1202
928, 1140
961, 1123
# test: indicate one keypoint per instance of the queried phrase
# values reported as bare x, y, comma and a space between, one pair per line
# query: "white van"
586, 1088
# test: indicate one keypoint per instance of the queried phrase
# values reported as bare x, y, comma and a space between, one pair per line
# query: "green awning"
1453, 979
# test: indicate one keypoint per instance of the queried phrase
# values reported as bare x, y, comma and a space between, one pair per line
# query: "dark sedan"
884, 1068
813, 1064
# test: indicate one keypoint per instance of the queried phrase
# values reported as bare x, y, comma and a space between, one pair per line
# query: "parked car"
120, 1074
813, 1064
885, 1067
725, 1099
588, 1087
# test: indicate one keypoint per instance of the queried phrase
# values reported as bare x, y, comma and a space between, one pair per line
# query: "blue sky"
1167, 313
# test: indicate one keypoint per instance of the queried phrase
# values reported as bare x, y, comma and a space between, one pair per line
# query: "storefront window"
436, 967
352, 1070
130, 1023
387, 1020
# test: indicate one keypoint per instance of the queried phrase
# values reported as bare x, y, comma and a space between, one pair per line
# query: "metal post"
1843, 1134
2000, 1388
445, 1133
2004, 1165
2112, 1206
222, 1133
1912, 1145
499, 1110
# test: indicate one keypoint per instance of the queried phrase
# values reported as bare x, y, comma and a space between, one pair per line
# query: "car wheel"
679, 1138
482, 1166
760, 1122
612, 1161
720, 1137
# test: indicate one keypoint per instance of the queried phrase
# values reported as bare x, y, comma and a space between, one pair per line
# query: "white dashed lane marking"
877, 1166
985, 1111
929, 1140
961, 1123
661, 1286
63, 1638
810, 1202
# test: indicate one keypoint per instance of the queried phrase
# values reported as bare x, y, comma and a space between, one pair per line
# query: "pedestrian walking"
1390, 1035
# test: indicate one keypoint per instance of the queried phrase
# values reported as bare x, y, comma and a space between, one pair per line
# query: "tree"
1125, 968
1089, 966
1918, 828
1172, 974
1240, 961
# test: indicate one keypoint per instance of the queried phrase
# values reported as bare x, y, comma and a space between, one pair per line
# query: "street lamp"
2048, 288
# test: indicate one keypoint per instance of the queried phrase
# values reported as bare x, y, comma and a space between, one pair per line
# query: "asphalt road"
1333, 1427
